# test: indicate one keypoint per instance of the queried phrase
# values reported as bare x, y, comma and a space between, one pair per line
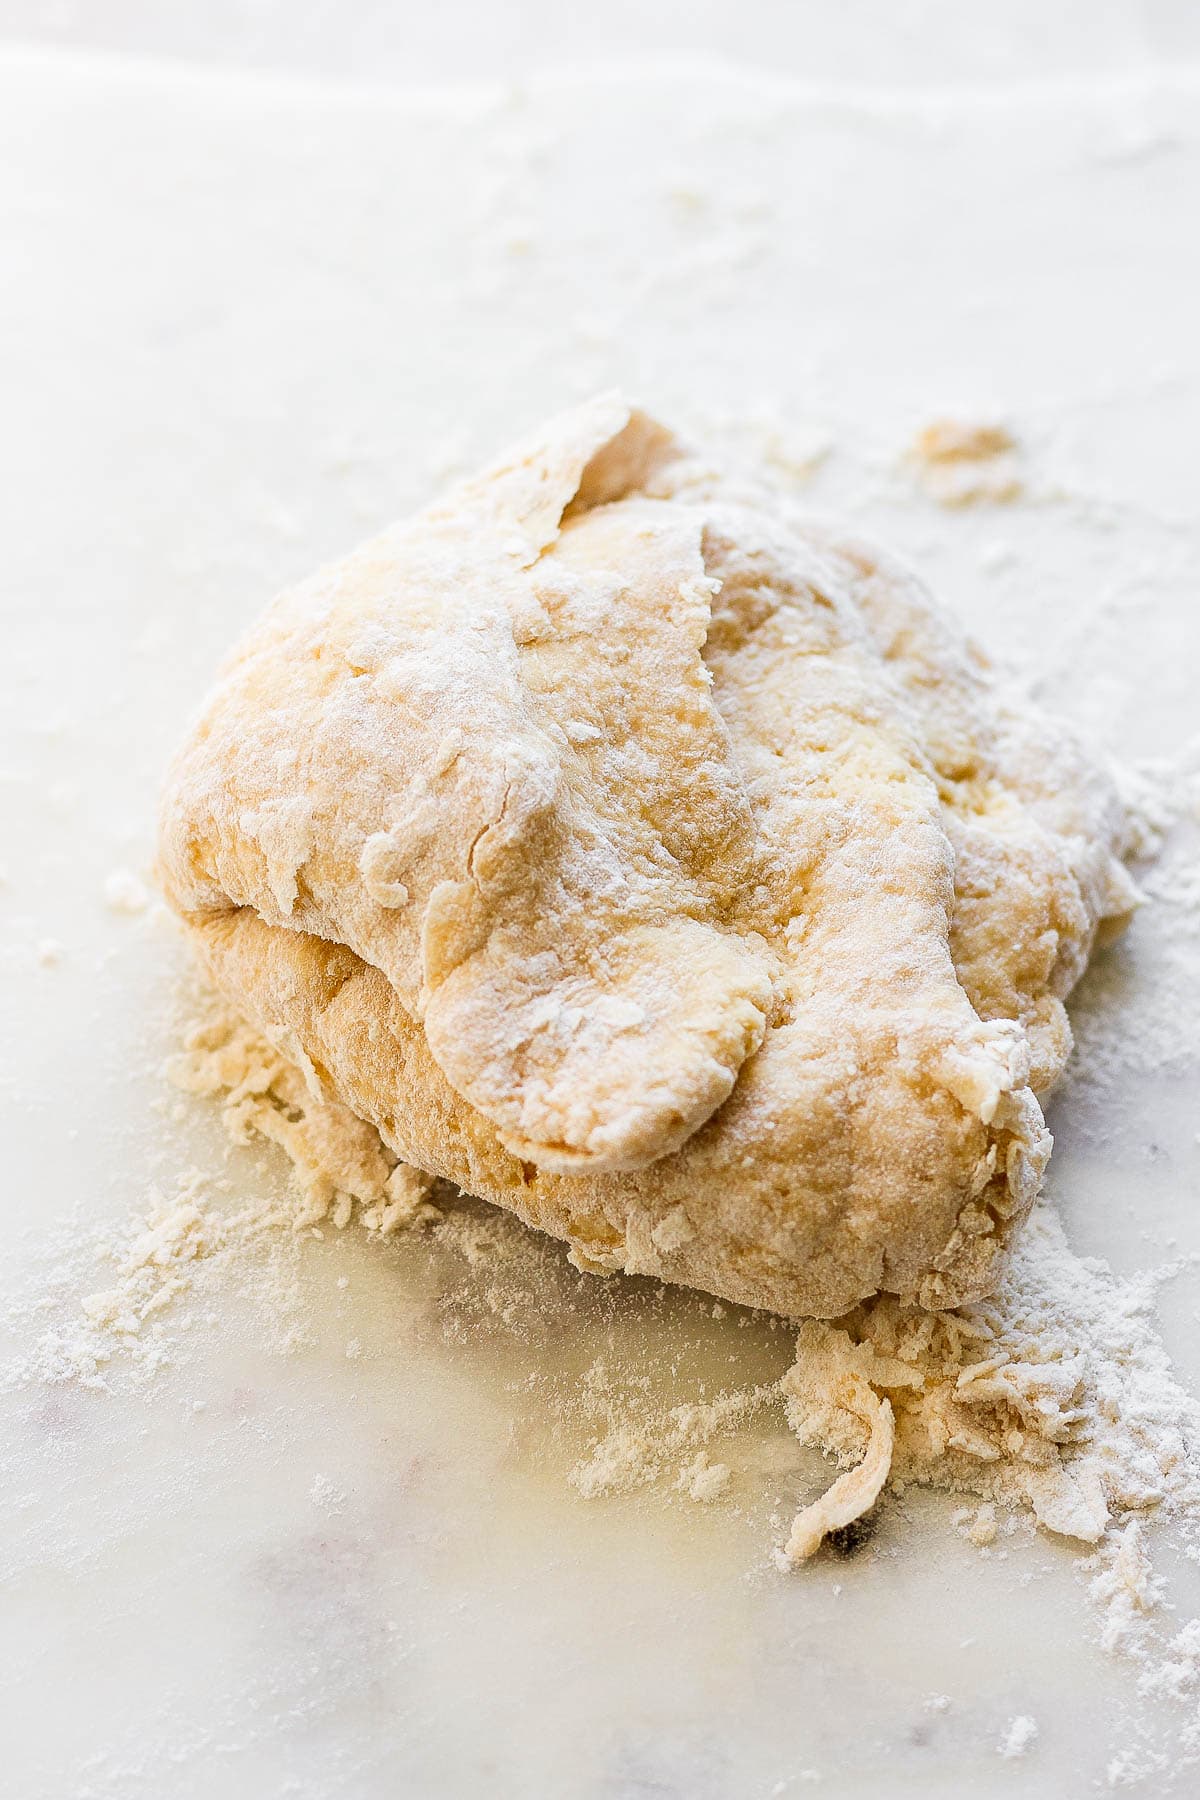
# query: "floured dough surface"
634, 856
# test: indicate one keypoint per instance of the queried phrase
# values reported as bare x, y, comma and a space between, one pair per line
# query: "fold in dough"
642, 860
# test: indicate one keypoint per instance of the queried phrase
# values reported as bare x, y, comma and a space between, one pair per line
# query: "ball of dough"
649, 863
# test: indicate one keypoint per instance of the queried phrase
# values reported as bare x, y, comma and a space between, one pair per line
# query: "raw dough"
662, 869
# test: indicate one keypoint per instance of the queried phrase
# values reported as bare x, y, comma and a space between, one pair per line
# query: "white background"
912, 43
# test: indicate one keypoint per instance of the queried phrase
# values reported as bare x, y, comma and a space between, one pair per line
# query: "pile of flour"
1055, 1394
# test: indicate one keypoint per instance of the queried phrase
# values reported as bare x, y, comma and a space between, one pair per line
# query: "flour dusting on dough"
731, 945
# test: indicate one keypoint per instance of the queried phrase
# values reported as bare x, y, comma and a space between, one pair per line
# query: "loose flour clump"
152, 1265
149, 1266
1055, 1395
339, 1161
160, 1256
1021, 1733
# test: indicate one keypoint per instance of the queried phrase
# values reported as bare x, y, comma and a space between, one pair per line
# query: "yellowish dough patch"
637, 857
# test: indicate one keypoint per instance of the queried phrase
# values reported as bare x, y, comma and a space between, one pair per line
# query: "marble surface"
330, 1549
913, 44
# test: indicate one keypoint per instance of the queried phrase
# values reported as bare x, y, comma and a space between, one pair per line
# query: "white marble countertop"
328, 1549
910, 44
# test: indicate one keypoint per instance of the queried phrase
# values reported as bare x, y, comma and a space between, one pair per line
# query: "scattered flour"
1020, 1735
639, 1447
149, 1265
1054, 1398
1125, 1028
125, 893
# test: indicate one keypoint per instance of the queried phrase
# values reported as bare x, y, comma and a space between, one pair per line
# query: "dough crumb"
703, 1480
982, 1530
962, 464
327, 1495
